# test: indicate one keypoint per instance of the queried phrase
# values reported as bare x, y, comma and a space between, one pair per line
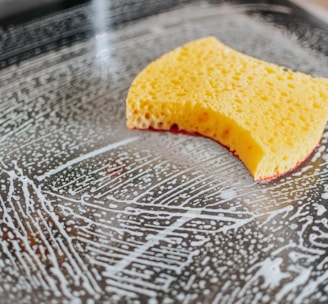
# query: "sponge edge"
270, 117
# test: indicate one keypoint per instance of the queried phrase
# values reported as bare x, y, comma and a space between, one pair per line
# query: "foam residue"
91, 212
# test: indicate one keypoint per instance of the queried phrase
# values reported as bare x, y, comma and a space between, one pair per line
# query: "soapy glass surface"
91, 211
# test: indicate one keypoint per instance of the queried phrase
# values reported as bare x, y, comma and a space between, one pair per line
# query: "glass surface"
92, 212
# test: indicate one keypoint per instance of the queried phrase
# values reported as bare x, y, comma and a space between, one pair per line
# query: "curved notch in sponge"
270, 117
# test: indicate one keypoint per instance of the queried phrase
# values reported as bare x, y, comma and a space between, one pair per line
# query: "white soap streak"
81, 202
29, 250
212, 195
88, 281
147, 287
104, 224
271, 215
254, 189
31, 142
166, 197
24, 126
134, 255
86, 277
33, 67
112, 287
301, 280
298, 252
179, 189
231, 223
269, 270
170, 211
79, 267
113, 254
82, 177
181, 252
233, 219
87, 156
129, 180
164, 181
310, 287
7, 109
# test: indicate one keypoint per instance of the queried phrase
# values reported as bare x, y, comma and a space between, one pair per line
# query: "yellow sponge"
270, 117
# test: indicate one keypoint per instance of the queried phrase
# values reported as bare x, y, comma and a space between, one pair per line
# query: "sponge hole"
289, 143
159, 125
175, 82
225, 134
323, 95
174, 128
269, 70
181, 94
209, 94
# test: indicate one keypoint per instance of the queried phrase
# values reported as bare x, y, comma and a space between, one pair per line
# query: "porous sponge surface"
270, 117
